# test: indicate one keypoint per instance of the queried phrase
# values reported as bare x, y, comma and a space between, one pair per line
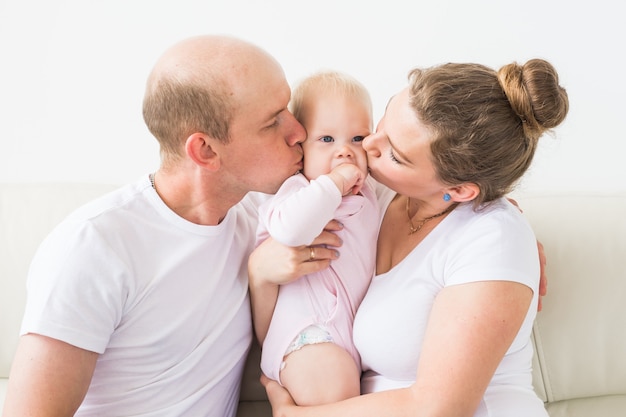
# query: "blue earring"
446, 197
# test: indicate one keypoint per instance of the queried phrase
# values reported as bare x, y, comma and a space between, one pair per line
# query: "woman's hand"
279, 397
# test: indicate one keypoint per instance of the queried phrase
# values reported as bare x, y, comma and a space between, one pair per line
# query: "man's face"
264, 147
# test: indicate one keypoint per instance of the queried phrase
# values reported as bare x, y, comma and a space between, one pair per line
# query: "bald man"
138, 302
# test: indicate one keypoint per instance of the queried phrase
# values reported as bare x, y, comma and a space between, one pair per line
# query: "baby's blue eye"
358, 138
327, 139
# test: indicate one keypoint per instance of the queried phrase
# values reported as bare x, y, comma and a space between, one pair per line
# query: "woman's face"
398, 153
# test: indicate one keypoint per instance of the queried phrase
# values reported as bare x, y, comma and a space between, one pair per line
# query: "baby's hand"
348, 178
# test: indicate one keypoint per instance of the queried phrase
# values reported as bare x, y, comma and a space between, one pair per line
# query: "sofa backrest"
580, 335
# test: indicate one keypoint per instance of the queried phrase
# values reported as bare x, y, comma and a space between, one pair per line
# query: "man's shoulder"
108, 203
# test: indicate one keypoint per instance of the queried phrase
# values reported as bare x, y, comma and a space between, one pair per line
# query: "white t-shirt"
467, 246
163, 301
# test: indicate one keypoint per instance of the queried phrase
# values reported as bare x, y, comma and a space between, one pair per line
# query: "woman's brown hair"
486, 124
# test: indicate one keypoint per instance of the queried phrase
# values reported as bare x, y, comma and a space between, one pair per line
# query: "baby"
308, 345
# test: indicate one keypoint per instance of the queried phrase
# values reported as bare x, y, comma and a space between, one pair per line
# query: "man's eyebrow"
275, 114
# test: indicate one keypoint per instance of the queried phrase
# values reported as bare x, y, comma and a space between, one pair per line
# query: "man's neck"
196, 197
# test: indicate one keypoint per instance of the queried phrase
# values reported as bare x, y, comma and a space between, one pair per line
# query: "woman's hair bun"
534, 93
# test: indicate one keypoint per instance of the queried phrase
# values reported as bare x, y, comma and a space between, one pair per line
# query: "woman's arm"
48, 378
272, 264
470, 328
543, 279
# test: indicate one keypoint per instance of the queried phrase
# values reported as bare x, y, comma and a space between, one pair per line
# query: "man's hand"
273, 264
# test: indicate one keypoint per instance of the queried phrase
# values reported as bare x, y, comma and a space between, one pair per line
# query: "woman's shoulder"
496, 209
498, 218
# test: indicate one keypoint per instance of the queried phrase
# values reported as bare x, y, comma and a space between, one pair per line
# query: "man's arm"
48, 378
272, 264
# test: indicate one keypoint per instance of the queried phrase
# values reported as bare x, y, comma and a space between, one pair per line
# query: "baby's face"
336, 126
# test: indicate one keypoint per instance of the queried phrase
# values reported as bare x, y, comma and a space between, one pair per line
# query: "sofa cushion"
253, 399
602, 406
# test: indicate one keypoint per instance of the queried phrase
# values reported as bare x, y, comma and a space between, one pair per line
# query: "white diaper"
311, 335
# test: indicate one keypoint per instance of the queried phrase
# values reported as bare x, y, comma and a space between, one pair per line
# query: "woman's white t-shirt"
496, 243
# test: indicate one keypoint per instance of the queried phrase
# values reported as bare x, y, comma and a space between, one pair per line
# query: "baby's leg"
320, 373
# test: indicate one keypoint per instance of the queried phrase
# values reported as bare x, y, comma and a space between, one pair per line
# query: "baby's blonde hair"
328, 82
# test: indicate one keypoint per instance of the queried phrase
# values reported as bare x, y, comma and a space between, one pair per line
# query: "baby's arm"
300, 210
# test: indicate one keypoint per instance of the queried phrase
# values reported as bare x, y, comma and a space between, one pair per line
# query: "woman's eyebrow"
398, 152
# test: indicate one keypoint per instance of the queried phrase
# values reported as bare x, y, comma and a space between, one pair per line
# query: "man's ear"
202, 150
464, 192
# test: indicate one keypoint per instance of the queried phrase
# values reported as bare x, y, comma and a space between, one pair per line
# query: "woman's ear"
464, 192
202, 150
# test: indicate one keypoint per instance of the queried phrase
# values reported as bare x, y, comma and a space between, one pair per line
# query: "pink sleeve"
299, 211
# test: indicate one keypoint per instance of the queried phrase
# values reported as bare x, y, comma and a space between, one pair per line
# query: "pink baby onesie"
295, 216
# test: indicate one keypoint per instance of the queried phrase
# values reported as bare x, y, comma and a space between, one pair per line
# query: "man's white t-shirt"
163, 301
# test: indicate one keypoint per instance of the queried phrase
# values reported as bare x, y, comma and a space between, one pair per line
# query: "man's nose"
296, 133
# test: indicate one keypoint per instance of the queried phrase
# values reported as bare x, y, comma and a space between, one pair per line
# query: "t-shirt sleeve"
75, 288
497, 246
300, 210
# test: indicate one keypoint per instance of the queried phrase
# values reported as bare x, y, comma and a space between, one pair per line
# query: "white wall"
72, 72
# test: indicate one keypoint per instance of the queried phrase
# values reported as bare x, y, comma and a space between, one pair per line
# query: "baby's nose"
344, 152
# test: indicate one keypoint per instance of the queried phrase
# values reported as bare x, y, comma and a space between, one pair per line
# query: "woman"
444, 329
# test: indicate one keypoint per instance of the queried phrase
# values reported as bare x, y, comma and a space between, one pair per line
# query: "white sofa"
580, 336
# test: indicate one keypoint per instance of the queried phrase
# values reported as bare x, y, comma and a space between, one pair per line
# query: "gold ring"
311, 253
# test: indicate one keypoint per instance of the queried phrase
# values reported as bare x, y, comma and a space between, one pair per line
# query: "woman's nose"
370, 144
